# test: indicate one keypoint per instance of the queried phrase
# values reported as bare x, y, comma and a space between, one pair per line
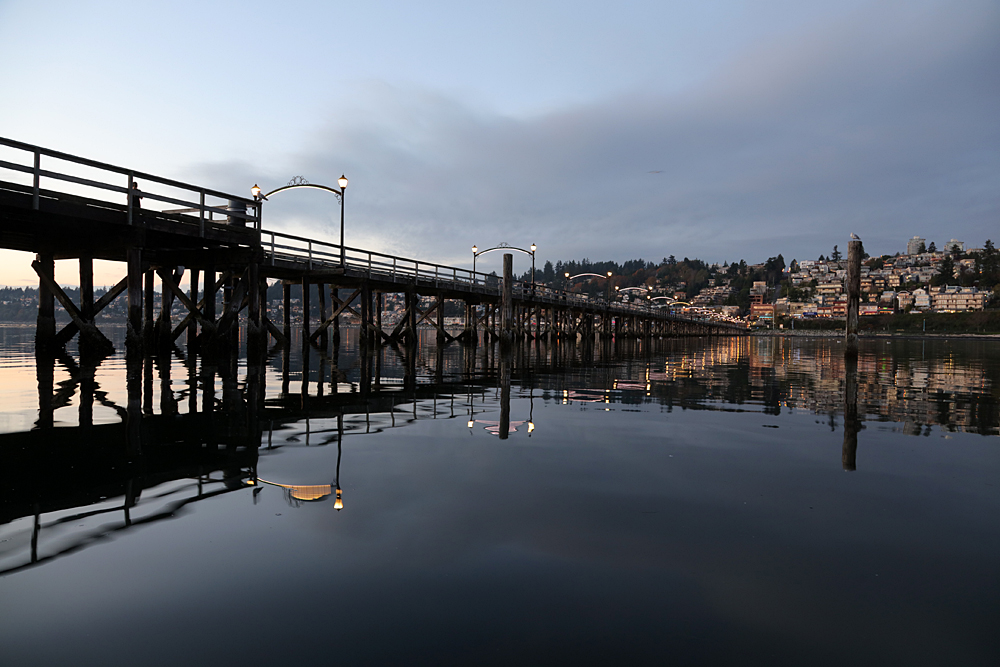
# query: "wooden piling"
45, 328
133, 332
286, 316
853, 287
87, 289
305, 311
193, 326
507, 300
324, 338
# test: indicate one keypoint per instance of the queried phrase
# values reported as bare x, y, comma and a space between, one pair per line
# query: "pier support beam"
45, 327
133, 332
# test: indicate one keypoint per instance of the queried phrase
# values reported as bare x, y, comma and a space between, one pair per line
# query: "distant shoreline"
832, 333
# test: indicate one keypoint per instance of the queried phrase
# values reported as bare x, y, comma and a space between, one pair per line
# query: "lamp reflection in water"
308, 493
505, 426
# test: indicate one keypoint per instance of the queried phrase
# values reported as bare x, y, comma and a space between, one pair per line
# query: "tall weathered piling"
852, 285
507, 300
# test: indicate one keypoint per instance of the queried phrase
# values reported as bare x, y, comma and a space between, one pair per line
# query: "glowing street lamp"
299, 182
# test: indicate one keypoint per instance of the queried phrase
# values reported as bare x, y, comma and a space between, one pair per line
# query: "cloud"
883, 124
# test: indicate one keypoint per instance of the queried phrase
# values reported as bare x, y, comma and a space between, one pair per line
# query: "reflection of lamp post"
300, 183
338, 503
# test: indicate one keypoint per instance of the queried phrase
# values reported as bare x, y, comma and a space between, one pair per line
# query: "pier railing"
313, 254
114, 185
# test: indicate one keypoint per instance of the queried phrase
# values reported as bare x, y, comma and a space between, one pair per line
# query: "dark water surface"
701, 501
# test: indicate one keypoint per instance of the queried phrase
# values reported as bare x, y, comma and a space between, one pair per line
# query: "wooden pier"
60, 206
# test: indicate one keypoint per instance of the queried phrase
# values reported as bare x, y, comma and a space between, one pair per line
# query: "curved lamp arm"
580, 275
338, 193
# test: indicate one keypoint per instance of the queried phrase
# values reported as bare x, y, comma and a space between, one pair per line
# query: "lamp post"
299, 182
595, 275
476, 252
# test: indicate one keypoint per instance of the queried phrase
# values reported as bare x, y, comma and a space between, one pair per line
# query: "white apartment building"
913, 245
956, 299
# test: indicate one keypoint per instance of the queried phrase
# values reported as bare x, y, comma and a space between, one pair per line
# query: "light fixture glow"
255, 190
533, 247
342, 181
475, 248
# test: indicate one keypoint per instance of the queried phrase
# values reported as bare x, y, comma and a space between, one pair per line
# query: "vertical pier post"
305, 311
335, 302
87, 289
324, 337
193, 326
440, 320
286, 316
209, 293
45, 328
853, 287
507, 300
411, 317
147, 305
133, 333
379, 307
366, 311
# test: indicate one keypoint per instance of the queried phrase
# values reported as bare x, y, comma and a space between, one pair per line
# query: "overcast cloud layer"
877, 118
884, 124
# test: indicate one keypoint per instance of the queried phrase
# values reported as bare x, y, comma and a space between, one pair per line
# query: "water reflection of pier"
194, 427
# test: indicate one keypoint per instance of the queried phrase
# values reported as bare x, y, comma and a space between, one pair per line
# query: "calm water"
734, 501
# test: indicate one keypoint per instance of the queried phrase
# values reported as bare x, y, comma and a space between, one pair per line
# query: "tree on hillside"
932, 247
548, 273
922, 248
835, 257
946, 272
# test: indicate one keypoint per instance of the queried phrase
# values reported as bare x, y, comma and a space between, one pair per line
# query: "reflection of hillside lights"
338, 504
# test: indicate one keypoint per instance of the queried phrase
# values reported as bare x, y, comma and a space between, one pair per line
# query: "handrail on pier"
236, 206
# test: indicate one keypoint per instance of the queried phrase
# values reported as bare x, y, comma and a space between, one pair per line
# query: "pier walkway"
61, 206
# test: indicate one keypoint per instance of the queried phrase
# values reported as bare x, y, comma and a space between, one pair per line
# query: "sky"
723, 130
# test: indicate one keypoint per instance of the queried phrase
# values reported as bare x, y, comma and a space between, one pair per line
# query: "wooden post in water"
335, 325
507, 300
286, 316
853, 287
148, 305
440, 319
209, 294
305, 311
45, 328
87, 289
366, 312
193, 295
133, 333
324, 337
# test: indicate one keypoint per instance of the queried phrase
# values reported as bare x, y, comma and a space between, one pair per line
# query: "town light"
342, 181
533, 247
255, 191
